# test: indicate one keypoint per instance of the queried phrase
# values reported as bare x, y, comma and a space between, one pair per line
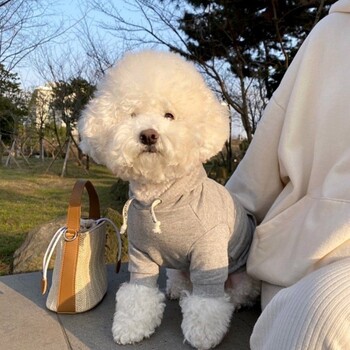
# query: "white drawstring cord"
125, 215
119, 257
48, 254
156, 222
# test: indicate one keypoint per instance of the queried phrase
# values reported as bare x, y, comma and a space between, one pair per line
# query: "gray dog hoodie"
195, 226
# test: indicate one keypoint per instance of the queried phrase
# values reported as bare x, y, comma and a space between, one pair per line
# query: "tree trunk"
2, 149
64, 168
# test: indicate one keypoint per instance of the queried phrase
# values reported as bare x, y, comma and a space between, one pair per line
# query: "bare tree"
25, 25
227, 49
99, 53
155, 24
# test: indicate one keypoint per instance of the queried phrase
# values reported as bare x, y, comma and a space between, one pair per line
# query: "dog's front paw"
205, 320
139, 311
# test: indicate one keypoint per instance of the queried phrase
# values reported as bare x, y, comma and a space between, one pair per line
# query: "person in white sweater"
295, 179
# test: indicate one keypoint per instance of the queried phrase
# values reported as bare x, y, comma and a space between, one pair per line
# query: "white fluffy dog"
154, 122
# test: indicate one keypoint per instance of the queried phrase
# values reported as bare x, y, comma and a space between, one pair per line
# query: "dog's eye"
169, 116
133, 114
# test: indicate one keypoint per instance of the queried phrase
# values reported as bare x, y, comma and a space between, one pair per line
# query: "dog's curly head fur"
153, 119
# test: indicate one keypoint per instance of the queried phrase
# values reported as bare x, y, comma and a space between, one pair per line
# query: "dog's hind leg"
177, 282
242, 289
139, 311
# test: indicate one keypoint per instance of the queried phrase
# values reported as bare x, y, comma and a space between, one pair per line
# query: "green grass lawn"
30, 196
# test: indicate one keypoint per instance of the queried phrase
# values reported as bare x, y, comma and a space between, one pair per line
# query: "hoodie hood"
178, 193
180, 190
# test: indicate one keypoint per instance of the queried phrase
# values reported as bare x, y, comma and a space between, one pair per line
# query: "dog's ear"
215, 129
94, 127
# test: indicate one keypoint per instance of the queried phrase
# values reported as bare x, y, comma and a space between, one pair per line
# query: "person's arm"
257, 181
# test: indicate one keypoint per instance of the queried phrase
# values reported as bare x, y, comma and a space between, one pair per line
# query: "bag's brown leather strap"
74, 209
66, 295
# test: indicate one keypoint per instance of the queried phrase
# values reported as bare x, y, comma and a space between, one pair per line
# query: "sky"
70, 14
64, 11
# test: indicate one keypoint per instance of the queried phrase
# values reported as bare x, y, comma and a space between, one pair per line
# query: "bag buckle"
70, 235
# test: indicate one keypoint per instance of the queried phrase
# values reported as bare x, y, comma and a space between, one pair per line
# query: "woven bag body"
91, 275
79, 280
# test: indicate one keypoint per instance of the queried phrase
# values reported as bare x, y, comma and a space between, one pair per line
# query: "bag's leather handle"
74, 208
66, 296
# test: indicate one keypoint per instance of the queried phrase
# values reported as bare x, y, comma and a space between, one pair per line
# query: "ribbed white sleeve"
313, 314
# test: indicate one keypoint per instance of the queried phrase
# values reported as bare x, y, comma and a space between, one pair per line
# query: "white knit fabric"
292, 178
313, 314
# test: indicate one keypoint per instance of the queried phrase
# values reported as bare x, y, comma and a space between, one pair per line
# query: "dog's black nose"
149, 137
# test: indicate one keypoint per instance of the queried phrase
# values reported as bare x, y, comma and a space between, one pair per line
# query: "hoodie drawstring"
125, 215
157, 223
156, 228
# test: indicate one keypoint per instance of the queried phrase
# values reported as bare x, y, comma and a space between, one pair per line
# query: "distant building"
41, 107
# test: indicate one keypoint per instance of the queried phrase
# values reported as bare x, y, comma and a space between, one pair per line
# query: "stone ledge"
27, 324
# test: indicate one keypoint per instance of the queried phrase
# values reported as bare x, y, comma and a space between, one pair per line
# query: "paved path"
26, 324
